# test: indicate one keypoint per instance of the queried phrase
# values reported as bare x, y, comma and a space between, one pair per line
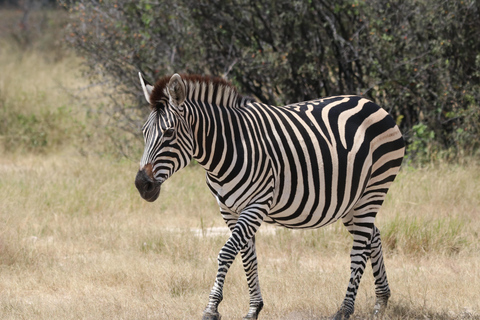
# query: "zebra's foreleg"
225, 259
382, 290
249, 259
244, 231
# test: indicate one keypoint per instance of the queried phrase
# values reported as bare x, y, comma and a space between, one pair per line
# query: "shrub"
417, 59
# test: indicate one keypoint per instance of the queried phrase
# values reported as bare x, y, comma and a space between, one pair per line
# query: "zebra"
300, 166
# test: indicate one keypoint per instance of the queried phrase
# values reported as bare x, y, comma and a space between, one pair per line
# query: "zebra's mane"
201, 88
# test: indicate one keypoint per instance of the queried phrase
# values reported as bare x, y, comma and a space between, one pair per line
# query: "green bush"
418, 59
37, 132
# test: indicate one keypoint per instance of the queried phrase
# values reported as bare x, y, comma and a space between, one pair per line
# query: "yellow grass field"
78, 242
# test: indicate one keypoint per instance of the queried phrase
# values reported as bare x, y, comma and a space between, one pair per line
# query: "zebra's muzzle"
148, 188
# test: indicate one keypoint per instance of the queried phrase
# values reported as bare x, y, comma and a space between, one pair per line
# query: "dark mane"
194, 82
158, 92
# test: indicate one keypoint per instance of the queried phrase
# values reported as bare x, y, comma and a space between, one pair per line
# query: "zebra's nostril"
149, 186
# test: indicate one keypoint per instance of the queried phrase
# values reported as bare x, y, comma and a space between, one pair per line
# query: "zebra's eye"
169, 133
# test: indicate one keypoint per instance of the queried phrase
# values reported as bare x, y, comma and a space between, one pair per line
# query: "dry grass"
78, 242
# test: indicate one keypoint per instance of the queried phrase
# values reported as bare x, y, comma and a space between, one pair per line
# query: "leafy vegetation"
418, 59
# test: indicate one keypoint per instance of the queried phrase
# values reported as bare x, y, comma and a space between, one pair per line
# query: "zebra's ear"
176, 90
147, 88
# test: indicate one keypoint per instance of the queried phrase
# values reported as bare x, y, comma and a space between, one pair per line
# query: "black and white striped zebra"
304, 165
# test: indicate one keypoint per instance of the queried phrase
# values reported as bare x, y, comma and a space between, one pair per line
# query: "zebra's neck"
214, 112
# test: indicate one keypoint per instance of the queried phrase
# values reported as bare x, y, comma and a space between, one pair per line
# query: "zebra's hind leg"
382, 290
362, 236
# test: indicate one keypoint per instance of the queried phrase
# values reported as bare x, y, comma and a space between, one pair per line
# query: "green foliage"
422, 143
418, 59
32, 132
429, 74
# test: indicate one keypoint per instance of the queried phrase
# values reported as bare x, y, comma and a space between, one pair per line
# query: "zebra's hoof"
342, 314
380, 307
254, 311
251, 316
211, 316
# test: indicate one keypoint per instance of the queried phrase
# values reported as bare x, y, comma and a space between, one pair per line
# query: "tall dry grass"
77, 241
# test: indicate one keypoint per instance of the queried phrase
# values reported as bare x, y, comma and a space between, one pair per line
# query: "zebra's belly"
305, 219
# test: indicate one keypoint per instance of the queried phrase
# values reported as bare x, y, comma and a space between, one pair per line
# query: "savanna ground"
78, 242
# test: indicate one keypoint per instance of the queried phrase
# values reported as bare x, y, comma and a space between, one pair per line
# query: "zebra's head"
168, 138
